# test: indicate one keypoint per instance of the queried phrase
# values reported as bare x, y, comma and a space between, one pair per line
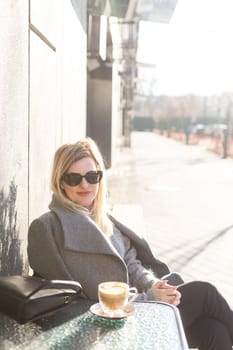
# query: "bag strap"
63, 284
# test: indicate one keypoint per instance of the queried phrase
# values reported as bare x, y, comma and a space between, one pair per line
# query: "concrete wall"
57, 90
42, 105
13, 134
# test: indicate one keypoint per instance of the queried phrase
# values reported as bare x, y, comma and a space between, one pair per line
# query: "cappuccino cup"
114, 296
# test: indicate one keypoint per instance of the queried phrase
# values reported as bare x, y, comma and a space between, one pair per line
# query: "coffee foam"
113, 290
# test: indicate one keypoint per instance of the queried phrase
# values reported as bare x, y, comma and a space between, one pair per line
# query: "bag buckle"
67, 299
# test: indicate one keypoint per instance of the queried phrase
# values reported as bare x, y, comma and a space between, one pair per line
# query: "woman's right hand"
164, 292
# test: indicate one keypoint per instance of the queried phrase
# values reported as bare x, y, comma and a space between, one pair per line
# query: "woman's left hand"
165, 292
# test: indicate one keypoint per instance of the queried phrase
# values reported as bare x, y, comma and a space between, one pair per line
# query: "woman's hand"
165, 292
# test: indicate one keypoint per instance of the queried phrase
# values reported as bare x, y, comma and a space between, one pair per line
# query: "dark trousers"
206, 317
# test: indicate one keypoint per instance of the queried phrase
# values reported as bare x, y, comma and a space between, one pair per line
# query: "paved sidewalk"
180, 197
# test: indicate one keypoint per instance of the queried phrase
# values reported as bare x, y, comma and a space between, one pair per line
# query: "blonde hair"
64, 157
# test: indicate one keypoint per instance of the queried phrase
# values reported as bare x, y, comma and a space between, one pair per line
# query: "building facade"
67, 69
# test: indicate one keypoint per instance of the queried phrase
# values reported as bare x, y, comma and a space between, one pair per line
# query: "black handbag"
26, 298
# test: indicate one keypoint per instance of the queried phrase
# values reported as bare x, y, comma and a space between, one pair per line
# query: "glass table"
153, 325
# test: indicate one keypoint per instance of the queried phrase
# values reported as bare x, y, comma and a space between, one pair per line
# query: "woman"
78, 240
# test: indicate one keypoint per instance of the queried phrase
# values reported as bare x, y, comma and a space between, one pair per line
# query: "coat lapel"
81, 233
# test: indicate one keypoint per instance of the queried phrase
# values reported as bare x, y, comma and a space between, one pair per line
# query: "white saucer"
128, 311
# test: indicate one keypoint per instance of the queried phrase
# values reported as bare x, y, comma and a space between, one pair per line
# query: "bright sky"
194, 52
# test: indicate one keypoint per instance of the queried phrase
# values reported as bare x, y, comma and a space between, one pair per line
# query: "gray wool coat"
67, 245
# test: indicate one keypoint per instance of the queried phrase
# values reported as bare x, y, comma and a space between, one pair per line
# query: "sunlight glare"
193, 53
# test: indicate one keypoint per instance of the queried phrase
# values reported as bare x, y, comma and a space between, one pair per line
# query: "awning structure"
156, 10
114, 8
147, 10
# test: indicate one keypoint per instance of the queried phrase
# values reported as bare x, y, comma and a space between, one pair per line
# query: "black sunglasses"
74, 179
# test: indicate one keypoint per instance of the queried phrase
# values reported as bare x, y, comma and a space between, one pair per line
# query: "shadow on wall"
11, 262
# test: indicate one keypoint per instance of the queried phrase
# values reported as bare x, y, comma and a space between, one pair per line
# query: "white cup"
114, 296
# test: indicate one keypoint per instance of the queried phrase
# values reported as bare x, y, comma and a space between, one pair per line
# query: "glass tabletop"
153, 325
